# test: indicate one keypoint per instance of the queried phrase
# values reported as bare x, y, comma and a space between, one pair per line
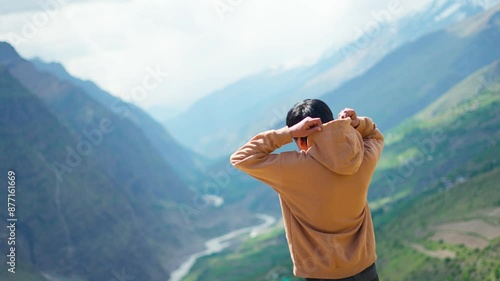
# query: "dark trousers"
369, 274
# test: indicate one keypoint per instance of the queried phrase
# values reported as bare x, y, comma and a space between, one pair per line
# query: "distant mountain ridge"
413, 76
263, 99
183, 160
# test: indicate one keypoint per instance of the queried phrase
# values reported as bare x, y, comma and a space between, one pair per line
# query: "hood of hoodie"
338, 147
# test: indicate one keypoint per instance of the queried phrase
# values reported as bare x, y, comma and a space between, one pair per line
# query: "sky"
163, 55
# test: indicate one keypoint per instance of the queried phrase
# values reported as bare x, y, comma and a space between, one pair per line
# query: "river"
217, 244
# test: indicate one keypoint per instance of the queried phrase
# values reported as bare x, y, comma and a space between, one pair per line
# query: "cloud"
113, 42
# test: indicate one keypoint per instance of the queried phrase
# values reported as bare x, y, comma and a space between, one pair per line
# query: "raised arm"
256, 158
372, 138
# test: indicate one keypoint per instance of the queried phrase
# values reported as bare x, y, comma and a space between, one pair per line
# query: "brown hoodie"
323, 194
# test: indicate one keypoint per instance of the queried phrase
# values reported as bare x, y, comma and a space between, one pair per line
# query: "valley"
105, 189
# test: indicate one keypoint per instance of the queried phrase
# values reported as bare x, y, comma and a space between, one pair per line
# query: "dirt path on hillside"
457, 238
440, 254
474, 234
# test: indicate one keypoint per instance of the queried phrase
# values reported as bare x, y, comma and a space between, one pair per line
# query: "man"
322, 189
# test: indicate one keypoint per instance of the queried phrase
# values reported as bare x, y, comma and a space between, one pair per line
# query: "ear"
302, 145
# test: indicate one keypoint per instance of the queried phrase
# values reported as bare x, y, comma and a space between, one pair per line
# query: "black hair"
313, 108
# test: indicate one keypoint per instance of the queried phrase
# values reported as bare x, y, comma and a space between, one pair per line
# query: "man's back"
323, 194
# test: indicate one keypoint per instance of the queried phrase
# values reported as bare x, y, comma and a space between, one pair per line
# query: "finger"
346, 112
315, 121
351, 113
314, 129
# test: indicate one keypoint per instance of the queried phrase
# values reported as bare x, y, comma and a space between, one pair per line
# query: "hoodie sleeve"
373, 139
256, 158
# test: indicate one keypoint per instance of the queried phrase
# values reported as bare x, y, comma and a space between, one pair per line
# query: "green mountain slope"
62, 226
456, 140
450, 197
450, 234
95, 194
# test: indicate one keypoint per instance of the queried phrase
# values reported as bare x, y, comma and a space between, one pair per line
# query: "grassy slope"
472, 155
433, 143
413, 221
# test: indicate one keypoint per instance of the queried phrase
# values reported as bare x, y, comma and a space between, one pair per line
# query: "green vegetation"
414, 222
456, 142
102, 215
456, 181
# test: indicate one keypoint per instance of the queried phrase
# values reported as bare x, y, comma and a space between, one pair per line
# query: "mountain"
95, 196
445, 226
258, 102
74, 226
102, 188
416, 74
182, 160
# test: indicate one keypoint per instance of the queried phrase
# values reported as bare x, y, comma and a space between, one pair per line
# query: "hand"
306, 127
350, 113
